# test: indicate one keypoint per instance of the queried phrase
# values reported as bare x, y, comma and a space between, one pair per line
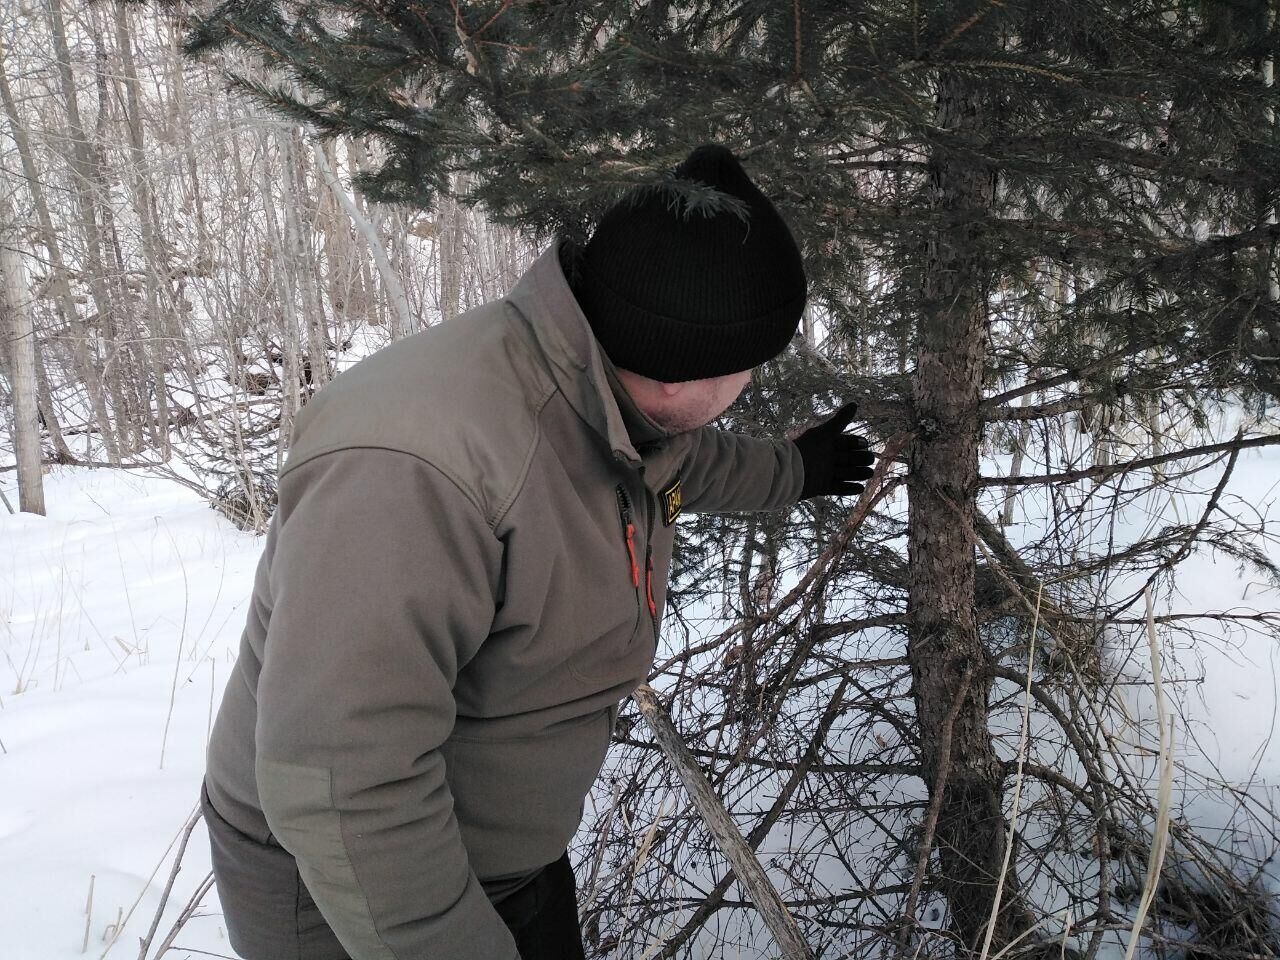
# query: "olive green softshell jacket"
446, 615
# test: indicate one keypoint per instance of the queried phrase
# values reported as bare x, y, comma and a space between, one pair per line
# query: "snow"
120, 614
128, 596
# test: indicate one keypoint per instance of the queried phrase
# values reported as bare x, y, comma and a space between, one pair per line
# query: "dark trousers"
270, 914
543, 915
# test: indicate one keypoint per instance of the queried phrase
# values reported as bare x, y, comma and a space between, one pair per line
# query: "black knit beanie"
677, 296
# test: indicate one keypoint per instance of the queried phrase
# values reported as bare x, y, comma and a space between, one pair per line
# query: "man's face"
678, 407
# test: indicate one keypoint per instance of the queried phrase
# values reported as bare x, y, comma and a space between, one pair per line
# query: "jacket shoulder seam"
447, 474
523, 475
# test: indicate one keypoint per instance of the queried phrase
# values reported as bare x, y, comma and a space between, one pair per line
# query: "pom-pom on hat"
678, 295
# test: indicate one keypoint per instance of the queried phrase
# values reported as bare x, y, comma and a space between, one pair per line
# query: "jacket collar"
584, 373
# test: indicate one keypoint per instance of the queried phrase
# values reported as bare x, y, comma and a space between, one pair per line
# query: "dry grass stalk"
1017, 783
88, 916
1164, 794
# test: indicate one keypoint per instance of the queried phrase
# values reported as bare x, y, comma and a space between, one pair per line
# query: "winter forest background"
1017, 700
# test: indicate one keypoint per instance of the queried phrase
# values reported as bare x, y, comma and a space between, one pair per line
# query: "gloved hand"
834, 461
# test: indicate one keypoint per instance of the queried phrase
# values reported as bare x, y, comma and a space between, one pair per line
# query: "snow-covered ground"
119, 618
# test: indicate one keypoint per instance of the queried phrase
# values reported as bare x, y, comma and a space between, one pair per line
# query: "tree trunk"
450, 250
174, 63
281, 264
315, 370
83, 176
160, 333
390, 281
943, 646
1268, 72
19, 329
85, 364
49, 414
125, 381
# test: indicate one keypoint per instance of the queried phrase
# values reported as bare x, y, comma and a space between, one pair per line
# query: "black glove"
834, 461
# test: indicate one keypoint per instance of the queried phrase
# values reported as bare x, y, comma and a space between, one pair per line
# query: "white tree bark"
85, 179
390, 281
85, 363
19, 331
450, 253
159, 328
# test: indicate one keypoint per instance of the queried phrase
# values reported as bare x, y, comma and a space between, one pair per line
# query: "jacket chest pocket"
640, 568
625, 575
574, 619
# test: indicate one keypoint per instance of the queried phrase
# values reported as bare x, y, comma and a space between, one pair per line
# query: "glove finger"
853, 473
840, 419
849, 456
847, 489
853, 461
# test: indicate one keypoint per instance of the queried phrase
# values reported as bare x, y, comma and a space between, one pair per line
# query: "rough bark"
943, 641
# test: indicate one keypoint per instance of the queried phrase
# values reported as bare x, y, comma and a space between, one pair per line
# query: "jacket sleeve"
382, 588
726, 472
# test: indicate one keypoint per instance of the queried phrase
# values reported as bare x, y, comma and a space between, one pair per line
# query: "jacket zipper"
629, 533
648, 558
648, 576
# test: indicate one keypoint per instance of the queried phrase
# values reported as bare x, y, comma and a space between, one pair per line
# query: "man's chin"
680, 424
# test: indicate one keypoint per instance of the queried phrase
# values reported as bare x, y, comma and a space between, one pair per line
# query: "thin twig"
935, 801
1017, 784
119, 927
187, 912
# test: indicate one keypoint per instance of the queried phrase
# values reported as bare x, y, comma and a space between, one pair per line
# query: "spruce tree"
1023, 223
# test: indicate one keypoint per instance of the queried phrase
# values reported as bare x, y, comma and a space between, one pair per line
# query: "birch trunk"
19, 330
337, 246
125, 380
390, 281
83, 176
160, 333
85, 365
315, 371
449, 247
279, 263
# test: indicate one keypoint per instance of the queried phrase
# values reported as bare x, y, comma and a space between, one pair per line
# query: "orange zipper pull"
631, 552
648, 582
629, 529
